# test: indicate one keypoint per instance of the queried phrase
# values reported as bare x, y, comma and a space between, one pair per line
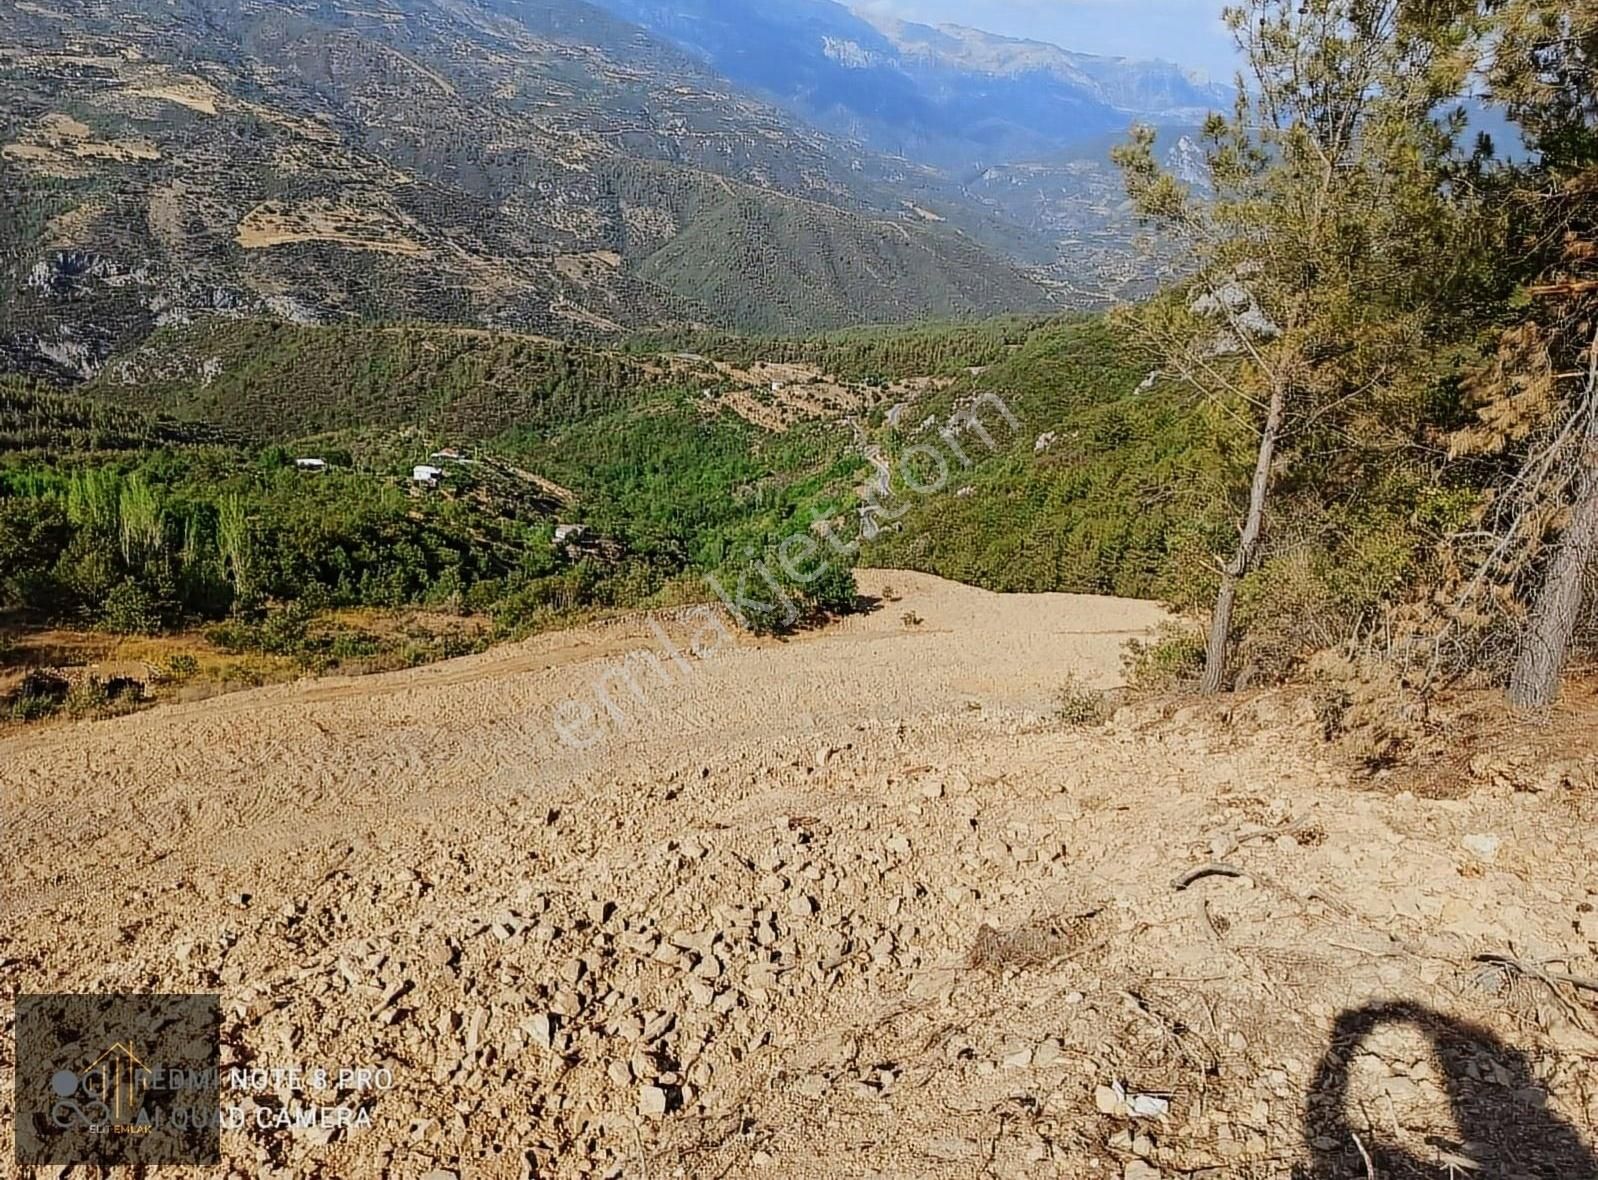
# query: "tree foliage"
1338, 259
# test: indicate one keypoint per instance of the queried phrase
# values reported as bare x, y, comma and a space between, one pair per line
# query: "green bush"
1174, 658
87, 572
766, 619
88, 698
1075, 704
131, 609
284, 631
353, 645
33, 534
834, 591
33, 706
234, 637
456, 645
182, 667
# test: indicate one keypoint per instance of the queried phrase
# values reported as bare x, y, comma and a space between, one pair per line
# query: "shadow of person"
1493, 1094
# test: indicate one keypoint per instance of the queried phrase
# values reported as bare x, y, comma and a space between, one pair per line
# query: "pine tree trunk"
1218, 646
1534, 684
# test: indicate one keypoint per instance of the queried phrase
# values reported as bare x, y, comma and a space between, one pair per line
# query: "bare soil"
854, 904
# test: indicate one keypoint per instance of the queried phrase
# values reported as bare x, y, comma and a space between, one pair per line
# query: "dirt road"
852, 904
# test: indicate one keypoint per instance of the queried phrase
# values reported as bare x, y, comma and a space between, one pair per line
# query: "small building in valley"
315, 466
427, 475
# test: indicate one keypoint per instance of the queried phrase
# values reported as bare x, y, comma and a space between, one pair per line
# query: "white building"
424, 473
317, 465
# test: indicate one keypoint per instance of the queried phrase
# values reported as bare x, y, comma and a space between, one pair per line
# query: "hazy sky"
1185, 31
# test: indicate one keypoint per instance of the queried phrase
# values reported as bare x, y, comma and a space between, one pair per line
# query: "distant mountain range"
552, 167
950, 96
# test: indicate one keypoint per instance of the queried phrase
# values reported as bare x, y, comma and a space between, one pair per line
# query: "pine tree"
1321, 241
1546, 72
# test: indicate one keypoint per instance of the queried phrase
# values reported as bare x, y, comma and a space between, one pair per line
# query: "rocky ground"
855, 904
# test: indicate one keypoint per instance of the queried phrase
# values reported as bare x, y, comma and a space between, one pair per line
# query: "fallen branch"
1584, 982
1370, 1167
1209, 870
1549, 979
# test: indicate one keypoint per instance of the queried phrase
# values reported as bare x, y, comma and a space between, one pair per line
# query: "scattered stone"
812, 1086
1046, 1054
1017, 1059
659, 1026
1483, 845
652, 1102
542, 1029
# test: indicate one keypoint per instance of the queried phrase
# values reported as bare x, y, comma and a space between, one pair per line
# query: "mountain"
954, 97
545, 167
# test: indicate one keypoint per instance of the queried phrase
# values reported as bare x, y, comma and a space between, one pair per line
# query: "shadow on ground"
1501, 1129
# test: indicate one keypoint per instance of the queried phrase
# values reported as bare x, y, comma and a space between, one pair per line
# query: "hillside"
1006, 138
1103, 483
275, 381
1047, 507
541, 167
855, 904
1098, 486
163, 497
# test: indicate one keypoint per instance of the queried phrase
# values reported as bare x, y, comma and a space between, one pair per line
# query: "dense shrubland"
140, 542
870, 355
269, 380
114, 520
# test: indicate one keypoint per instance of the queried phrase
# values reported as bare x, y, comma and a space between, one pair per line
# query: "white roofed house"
312, 465
427, 475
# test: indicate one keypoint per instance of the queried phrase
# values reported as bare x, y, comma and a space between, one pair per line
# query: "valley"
546, 172
673, 459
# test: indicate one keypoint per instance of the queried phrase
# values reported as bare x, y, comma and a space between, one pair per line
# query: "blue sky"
1185, 31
